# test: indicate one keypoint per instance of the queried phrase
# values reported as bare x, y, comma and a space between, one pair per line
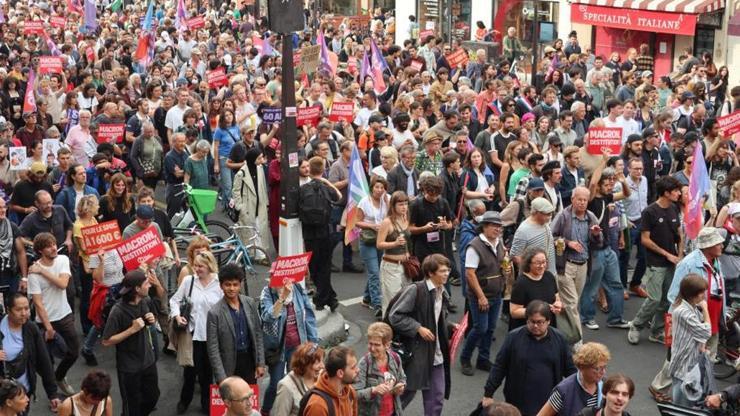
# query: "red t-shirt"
386, 402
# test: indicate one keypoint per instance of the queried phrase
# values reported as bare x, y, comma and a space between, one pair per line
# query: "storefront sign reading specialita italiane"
643, 20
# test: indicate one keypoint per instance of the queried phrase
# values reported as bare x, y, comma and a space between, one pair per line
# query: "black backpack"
399, 344
324, 395
314, 206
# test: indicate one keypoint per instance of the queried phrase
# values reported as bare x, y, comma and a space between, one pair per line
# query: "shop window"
704, 41
340, 7
461, 10
428, 17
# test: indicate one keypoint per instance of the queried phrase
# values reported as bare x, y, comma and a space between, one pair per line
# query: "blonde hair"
735, 190
389, 152
206, 258
591, 354
88, 205
380, 330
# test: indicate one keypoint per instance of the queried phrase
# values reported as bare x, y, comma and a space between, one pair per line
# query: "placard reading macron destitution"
602, 138
289, 269
141, 248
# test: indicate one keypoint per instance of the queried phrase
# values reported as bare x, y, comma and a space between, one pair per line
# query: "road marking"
352, 301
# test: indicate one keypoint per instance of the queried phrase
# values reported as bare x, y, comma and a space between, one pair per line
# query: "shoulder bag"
186, 305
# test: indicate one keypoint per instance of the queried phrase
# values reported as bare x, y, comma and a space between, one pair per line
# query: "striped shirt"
532, 235
689, 333
556, 400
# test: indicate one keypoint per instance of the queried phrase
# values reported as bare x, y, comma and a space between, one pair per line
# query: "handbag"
412, 268
150, 171
368, 236
186, 305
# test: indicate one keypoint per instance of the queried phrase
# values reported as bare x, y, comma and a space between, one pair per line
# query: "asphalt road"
639, 362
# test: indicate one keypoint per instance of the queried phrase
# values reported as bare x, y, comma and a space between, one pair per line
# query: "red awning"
642, 20
673, 6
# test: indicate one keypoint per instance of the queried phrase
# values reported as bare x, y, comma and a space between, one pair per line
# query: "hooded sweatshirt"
345, 401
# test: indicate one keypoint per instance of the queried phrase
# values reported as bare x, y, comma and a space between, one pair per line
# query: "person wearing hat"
430, 158
128, 329
686, 99
144, 219
535, 163
534, 233
485, 279
24, 191
380, 141
554, 151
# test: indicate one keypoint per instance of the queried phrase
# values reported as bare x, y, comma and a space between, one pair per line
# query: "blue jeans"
226, 179
371, 257
604, 272
481, 332
678, 396
90, 340
624, 258
277, 372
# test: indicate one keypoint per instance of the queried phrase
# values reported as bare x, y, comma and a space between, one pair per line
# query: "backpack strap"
324, 395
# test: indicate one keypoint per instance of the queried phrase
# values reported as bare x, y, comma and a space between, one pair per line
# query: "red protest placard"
217, 78
101, 236
600, 138
458, 336
289, 268
33, 27
308, 116
416, 65
342, 111
196, 22
58, 21
141, 248
111, 133
218, 407
424, 34
459, 57
51, 65
729, 124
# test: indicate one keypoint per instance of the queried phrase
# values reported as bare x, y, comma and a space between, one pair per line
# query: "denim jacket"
67, 197
274, 327
691, 263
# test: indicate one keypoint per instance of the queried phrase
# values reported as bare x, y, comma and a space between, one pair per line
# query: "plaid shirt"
521, 187
644, 63
424, 163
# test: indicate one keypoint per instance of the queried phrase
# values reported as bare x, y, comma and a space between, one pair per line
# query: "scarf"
409, 180
6, 244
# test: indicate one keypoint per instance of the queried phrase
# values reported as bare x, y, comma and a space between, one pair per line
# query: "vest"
489, 275
573, 396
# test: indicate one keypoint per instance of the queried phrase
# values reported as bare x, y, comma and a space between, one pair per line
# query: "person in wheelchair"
729, 396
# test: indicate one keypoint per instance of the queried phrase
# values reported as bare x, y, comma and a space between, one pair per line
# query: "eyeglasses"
243, 399
539, 322
600, 369
539, 263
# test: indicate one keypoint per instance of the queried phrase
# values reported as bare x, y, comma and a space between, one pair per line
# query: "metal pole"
289, 146
535, 39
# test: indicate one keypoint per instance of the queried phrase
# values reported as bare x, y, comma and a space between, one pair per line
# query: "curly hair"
96, 384
305, 356
591, 354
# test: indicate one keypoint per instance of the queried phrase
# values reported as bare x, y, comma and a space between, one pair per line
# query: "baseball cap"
535, 184
38, 168
634, 138
687, 95
145, 212
542, 205
648, 132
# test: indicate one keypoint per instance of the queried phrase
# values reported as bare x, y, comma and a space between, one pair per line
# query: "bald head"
235, 392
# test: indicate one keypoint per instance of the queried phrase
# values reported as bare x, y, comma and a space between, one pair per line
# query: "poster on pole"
141, 248
289, 269
309, 59
272, 115
602, 138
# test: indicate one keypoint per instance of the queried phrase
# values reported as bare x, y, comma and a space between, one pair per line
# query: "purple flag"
364, 67
181, 17
377, 59
52, 47
91, 18
266, 46
324, 63
699, 186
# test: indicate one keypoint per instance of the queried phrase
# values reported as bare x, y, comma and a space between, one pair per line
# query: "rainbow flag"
699, 185
358, 189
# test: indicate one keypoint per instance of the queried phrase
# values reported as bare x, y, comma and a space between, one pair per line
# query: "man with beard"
547, 106
47, 218
335, 384
631, 150
401, 133
31, 132
21, 202
501, 140
467, 120
483, 140
526, 102
573, 174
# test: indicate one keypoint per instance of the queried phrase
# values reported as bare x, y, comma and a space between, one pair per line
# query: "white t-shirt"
53, 297
628, 127
173, 120
399, 138
373, 215
112, 267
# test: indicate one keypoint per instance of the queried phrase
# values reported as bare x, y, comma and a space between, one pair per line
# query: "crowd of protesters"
477, 177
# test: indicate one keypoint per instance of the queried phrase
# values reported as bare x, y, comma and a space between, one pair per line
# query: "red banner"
219, 408
289, 269
632, 19
416, 65
458, 336
58, 21
196, 22
101, 236
111, 133
34, 27
729, 124
600, 138
217, 78
308, 116
141, 248
342, 111
51, 65
424, 34
459, 57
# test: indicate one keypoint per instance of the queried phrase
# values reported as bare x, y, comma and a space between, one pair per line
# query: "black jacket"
397, 180
38, 361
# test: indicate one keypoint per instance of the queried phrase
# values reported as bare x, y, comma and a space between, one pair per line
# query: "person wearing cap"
485, 279
429, 159
686, 107
554, 151
663, 241
535, 233
48, 279
128, 329
605, 265
144, 219
22, 199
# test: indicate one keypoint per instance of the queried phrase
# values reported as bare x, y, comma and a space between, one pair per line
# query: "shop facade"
667, 27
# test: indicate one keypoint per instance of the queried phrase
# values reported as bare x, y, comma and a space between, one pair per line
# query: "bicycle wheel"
218, 231
257, 267
725, 366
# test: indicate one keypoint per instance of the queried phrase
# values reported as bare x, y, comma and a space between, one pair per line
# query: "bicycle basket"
204, 200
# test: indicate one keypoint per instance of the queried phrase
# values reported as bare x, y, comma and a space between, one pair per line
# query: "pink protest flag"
29, 101
358, 189
699, 186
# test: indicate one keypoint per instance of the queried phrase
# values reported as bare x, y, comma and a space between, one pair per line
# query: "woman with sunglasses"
93, 398
13, 398
305, 365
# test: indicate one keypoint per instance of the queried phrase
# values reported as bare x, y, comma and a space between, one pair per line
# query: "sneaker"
484, 365
65, 388
365, 302
89, 357
660, 339
620, 324
592, 325
466, 368
633, 336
